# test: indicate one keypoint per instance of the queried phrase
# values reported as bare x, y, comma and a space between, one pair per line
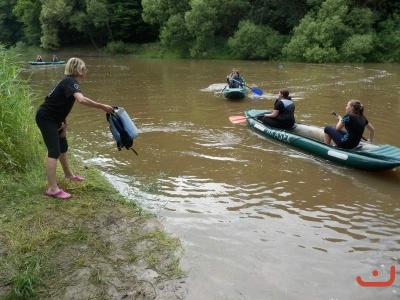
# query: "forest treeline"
296, 30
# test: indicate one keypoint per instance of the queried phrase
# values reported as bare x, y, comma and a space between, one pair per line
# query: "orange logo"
378, 283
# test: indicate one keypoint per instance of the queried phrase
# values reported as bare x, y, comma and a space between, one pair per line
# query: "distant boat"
41, 63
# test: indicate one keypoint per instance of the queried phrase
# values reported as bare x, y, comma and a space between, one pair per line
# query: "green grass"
19, 137
41, 235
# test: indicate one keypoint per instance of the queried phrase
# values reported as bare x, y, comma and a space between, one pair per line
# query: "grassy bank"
96, 245
86, 246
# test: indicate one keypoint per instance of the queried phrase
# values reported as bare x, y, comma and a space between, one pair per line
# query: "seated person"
39, 58
55, 58
236, 81
354, 122
230, 76
283, 114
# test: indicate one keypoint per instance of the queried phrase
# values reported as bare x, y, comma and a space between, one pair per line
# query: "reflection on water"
258, 219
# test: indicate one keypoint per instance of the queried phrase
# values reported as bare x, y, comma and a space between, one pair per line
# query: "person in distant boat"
51, 118
283, 114
354, 122
39, 58
236, 80
230, 76
55, 58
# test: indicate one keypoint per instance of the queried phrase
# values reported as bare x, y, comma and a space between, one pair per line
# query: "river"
257, 218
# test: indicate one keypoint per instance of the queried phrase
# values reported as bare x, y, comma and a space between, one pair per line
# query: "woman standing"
51, 119
354, 122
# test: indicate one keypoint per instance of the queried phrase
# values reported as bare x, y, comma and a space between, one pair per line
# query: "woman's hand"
108, 109
63, 130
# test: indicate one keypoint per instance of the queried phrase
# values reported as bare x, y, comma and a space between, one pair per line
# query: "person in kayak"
283, 114
235, 80
230, 76
51, 118
354, 122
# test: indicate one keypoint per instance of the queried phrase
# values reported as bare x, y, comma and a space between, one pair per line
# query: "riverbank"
97, 245
149, 50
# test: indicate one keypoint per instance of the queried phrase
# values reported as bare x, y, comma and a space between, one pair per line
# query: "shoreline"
94, 245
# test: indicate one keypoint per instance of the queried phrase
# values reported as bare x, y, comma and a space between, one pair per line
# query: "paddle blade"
237, 119
257, 91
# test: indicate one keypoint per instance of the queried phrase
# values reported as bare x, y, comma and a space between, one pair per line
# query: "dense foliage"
19, 136
298, 30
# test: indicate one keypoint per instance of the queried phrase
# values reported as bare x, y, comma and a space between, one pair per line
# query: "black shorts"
273, 122
51, 136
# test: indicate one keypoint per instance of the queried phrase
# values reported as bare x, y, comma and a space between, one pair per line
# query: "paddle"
241, 119
238, 119
336, 115
254, 90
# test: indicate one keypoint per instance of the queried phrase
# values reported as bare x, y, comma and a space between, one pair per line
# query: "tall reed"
20, 141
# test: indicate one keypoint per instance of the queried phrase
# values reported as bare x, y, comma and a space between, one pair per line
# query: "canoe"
235, 93
366, 156
41, 63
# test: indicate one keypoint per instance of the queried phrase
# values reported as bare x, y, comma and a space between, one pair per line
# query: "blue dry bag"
122, 128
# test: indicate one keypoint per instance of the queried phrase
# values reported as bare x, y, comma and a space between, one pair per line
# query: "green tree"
280, 15
201, 22
126, 23
11, 29
159, 11
87, 18
229, 14
388, 40
256, 42
317, 30
196, 25
53, 16
175, 35
168, 15
357, 47
334, 33
27, 13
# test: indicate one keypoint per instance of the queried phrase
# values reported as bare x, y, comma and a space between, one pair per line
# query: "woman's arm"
339, 124
88, 102
371, 132
274, 114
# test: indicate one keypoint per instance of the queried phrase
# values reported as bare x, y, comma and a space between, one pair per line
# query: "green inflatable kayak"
41, 63
309, 138
235, 93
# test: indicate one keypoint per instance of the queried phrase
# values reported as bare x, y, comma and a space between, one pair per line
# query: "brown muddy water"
257, 218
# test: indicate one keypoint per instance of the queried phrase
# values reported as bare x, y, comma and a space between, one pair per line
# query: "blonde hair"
74, 67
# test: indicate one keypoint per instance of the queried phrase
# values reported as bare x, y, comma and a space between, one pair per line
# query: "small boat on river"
41, 63
234, 93
366, 156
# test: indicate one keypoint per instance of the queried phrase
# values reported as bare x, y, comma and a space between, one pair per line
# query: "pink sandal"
59, 195
75, 178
